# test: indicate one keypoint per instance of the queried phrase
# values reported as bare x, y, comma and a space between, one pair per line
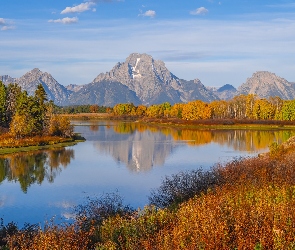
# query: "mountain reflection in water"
34, 167
140, 146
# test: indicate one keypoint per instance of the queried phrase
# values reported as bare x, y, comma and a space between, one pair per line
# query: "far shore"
193, 124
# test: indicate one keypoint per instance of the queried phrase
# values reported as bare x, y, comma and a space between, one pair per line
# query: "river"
128, 158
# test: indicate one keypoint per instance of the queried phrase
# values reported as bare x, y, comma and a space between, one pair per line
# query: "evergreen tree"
3, 95
13, 93
40, 98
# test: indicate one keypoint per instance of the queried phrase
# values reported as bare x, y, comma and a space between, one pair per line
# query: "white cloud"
2, 21
66, 20
7, 27
199, 11
79, 8
149, 13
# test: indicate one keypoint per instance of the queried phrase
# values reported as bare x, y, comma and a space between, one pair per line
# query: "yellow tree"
60, 126
250, 101
219, 109
196, 110
176, 110
278, 103
238, 107
141, 110
19, 126
263, 110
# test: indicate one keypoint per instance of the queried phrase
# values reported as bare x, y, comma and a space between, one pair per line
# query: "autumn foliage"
240, 107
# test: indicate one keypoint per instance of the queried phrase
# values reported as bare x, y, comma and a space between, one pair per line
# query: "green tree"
40, 98
277, 102
3, 97
288, 111
13, 93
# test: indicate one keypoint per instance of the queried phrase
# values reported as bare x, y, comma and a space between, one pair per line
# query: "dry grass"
8, 141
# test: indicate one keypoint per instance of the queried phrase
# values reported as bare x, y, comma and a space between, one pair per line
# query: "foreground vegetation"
245, 204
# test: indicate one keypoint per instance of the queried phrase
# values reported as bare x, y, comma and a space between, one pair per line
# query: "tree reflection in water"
34, 167
142, 146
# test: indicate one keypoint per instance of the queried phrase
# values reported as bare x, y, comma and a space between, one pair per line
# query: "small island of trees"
30, 120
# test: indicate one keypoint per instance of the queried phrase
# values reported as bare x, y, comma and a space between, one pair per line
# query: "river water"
123, 157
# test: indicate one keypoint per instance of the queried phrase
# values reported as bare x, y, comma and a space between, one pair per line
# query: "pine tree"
3, 95
40, 98
13, 93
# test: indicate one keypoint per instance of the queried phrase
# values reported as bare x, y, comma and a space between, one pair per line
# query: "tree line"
240, 107
76, 109
25, 115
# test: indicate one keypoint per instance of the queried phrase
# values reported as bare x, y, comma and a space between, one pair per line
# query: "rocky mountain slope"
153, 83
29, 82
266, 84
104, 93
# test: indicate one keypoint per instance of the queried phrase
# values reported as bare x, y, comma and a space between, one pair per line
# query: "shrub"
96, 210
183, 186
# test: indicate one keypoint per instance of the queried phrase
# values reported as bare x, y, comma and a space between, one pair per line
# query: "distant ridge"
6, 79
226, 92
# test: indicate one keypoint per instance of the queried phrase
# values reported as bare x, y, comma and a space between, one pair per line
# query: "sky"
217, 41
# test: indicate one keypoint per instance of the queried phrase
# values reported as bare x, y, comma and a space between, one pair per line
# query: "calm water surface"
126, 157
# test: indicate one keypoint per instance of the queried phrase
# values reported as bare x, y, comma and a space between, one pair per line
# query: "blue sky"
218, 42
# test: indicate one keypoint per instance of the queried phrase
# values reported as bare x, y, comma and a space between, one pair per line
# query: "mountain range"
143, 80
